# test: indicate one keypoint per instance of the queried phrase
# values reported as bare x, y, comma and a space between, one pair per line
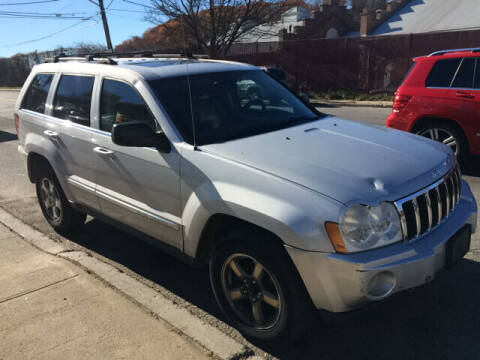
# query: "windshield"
230, 105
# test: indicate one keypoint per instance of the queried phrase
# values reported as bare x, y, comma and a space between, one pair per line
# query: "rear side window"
73, 99
36, 95
464, 77
442, 73
121, 103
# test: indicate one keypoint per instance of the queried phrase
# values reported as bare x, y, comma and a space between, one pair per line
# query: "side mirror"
139, 134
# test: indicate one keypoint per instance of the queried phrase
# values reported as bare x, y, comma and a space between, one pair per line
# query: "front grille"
421, 212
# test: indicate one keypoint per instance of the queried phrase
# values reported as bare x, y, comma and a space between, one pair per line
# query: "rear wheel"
447, 135
55, 207
258, 288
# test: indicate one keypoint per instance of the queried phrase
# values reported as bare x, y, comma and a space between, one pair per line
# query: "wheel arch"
423, 121
211, 239
36, 165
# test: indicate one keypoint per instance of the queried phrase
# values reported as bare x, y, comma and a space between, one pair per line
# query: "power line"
127, 10
28, 3
68, 28
139, 4
37, 15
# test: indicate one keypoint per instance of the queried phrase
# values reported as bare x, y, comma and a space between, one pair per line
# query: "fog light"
381, 285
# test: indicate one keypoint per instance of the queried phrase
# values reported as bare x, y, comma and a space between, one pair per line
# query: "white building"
269, 32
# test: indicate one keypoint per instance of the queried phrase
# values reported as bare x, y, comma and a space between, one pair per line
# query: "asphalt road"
440, 320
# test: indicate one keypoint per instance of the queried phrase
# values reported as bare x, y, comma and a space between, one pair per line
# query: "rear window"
73, 99
442, 73
36, 95
408, 73
464, 77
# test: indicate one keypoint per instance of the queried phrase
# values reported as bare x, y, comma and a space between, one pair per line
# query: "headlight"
366, 227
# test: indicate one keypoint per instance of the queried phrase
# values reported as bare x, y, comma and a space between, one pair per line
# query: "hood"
344, 160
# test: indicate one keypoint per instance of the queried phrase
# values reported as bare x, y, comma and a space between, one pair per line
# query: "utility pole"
105, 25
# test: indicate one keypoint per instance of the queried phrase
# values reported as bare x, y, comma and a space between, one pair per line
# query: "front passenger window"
73, 99
121, 103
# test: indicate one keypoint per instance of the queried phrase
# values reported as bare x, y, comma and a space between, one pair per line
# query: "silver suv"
221, 164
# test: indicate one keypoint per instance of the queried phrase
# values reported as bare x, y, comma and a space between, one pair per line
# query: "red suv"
440, 99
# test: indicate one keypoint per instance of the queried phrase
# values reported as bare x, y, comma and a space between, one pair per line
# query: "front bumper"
343, 282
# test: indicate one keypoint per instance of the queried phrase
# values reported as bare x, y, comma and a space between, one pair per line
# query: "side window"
73, 99
442, 73
464, 78
477, 76
119, 103
36, 95
174, 96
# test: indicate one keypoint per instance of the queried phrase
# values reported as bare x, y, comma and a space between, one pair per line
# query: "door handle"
102, 151
464, 95
51, 134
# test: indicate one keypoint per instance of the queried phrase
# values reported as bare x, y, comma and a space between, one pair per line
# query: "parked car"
291, 209
440, 99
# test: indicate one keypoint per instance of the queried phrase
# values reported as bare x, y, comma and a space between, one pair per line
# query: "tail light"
17, 124
400, 102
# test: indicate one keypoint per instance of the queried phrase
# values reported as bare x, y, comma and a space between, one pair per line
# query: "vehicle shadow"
472, 166
6, 136
440, 320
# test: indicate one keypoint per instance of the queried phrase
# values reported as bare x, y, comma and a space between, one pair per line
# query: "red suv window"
443, 72
477, 76
464, 77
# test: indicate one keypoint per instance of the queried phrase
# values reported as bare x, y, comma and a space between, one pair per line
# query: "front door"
137, 186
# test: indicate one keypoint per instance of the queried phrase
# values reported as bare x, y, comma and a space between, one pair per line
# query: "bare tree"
214, 25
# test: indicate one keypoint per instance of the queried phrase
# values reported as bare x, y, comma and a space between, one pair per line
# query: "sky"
22, 34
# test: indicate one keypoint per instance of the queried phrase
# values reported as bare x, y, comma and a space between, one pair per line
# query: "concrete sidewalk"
53, 309
358, 103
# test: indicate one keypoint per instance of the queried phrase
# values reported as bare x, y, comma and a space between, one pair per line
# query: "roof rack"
443, 52
88, 58
106, 57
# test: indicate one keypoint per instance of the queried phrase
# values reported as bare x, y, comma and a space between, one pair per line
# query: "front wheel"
258, 288
55, 207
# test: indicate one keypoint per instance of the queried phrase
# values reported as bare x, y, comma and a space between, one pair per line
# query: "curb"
220, 345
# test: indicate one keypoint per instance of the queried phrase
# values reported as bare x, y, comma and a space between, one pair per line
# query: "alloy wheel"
442, 135
51, 199
252, 291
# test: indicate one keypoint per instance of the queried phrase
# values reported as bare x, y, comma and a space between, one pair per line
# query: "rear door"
463, 99
69, 129
137, 186
475, 138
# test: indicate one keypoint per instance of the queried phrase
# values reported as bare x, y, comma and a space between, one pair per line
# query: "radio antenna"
189, 88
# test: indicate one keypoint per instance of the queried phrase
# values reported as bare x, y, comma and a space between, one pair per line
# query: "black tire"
444, 129
65, 220
279, 281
